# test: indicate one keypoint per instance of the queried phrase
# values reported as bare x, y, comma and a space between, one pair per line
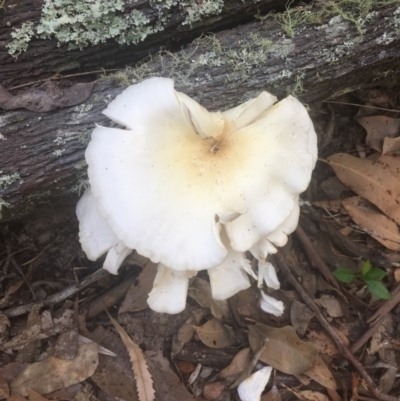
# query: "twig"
377, 318
59, 296
78, 74
361, 105
40, 253
109, 298
314, 258
335, 337
22, 274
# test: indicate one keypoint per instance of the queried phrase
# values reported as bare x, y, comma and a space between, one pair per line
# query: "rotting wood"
43, 153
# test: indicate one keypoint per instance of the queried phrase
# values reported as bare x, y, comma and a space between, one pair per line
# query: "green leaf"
344, 275
378, 289
366, 267
375, 275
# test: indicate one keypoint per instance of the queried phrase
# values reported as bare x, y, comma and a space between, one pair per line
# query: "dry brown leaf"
321, 374
144, 382
167, 384
213, 390
300, 316
11, 292
390, 162
378, 128
34, 396
322, 342
308, 395
4, 390
369, 180
4, 327
136, 297
390, 145
114, 381
379, 226
397, 274
238, 364
331, 304
52, 373
283, 350
16, 397
200, 291
214, 334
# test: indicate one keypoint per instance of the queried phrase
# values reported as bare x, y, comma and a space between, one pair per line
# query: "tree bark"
42, 156
44, 58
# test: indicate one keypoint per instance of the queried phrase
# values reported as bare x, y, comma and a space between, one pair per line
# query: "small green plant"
370, 275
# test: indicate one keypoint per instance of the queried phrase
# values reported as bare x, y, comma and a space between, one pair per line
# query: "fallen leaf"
34, 396
238, 364
52, 373
11, 371
309, 395
369, 180
322, 342
390, 162
16, 397
321, 374
167, 385
300, 316
136, 297
144, 382
283, 349
185, 367
48, 97
379, 226
66, 394
200, 291
114, 381
214, 334
397, 274
4, 327
378, 128
390, 145
331, 304
11, 293
4, 389
213, 390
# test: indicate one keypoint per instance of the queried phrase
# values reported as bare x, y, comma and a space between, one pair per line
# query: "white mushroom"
271, 305
252, 388
194, 190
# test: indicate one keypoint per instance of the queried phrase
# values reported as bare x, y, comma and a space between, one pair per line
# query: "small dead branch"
335, 337
314, 258
59, 296
109, 298
377, 317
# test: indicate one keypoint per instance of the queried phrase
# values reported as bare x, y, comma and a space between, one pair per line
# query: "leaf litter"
221, 342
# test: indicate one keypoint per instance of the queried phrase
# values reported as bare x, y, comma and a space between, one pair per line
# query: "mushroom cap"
96, 236
166, 183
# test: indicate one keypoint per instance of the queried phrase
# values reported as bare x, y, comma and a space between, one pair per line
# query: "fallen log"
35, 35
42, 154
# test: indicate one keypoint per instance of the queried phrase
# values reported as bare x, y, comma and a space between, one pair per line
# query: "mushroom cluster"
195, 190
